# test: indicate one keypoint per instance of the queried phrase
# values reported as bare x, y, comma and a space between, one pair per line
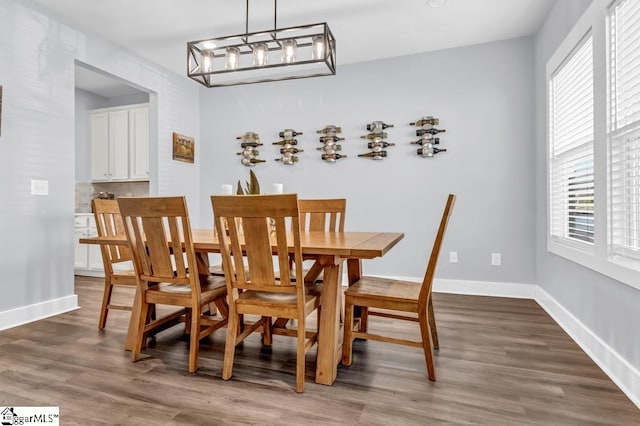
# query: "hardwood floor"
501, 361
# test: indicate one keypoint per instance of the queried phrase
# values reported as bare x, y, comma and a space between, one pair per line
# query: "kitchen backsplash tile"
86, 191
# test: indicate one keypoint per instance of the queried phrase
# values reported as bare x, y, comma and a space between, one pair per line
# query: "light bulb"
260, 55
207, 61
289, 48
318, 47
232, 59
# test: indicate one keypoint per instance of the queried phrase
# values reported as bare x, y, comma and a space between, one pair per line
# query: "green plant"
251, 187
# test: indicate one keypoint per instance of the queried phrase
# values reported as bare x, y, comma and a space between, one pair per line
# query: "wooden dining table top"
361, 245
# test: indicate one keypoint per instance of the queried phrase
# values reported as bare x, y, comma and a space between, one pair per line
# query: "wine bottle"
249, 137
421, 132
250, 144
381, 143
376, 155
249, 152
426, 121
290, 150
332, 157
330, 129
378, 126
289, 134
429, 151
325, 139
286, 142
251, 161
288, 159
330, 148
425, 139
372, 136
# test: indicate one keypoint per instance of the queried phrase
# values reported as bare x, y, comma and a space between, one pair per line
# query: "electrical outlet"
496, 259
39, 187
453, 257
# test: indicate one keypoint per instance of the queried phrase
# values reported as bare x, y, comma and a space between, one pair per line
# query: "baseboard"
485, 288
619, 370
26, 314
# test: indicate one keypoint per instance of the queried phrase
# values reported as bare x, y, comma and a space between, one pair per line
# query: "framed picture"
183, 148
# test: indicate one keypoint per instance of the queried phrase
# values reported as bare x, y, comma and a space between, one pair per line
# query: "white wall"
483, 96
37, 56
608, 308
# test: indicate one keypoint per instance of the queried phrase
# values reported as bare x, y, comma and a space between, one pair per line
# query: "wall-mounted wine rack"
376, 140
288, 147
426, 133
330, 146
249, 142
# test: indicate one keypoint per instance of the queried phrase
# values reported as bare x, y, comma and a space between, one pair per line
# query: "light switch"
453, 257
39, 187
496, 259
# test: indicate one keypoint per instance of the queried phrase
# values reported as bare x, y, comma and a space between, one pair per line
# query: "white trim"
37, 311
485, 288
619, 370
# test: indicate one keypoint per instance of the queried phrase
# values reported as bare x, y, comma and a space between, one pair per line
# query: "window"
593, 158
571, 148
624, 130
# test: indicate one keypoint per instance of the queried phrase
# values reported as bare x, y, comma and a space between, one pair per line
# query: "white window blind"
571, 147
624, 128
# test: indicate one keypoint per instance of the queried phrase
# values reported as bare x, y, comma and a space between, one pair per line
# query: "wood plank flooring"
501, 362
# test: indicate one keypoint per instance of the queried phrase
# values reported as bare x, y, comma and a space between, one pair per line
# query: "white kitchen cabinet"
88, 258
139, 143
119, 140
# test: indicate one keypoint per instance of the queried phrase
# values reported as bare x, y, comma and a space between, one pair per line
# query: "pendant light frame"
206, 58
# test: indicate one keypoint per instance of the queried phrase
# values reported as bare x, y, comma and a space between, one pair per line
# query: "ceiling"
364, 29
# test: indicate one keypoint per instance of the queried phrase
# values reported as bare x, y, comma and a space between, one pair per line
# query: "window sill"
621, 269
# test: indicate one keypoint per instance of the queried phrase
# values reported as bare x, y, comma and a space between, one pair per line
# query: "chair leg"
364, 319
347, 343
194, 340
300, 358
432, 324
266, 333
230, 345
427, 346
106, 300
141, 337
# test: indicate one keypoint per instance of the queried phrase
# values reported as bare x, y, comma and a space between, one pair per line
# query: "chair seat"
213, 288
369, 290
286, 301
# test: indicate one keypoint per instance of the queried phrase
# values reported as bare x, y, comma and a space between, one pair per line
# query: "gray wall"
607, 307
37, 60
483, 96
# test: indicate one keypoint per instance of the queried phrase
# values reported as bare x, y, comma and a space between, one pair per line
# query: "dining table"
329, 251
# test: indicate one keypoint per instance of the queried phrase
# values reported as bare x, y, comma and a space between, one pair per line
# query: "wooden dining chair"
396, 295
263, 241
159, 234
321, 215
109, 224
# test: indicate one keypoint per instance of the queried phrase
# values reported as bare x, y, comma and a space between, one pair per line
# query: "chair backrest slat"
314, 214
263, 237
109, 224
159, 232
427, 283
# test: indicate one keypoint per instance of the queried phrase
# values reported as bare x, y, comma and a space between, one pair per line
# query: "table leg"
329, 347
